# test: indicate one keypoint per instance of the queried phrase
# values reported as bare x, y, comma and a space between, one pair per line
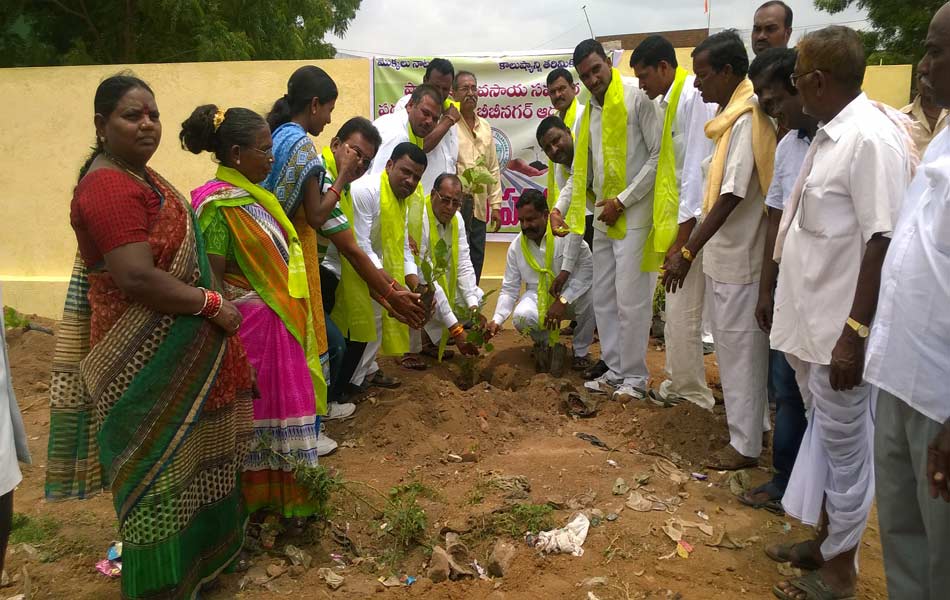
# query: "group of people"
205, 339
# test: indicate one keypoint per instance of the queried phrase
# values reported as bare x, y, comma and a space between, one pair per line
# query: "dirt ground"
511, 425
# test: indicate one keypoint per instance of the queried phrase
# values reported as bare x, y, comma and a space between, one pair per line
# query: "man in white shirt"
908, 360
623, 292
770, 73
831, 244
440, 74
733, 235
422, 115
404, 169
574, 299
446, 199
654, 63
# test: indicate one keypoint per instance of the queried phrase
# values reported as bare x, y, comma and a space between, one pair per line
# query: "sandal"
773, 502
413, 362
799, 555
380, 379
432, 351
670, 401
576, 405
729, 459
581, 363
814, 587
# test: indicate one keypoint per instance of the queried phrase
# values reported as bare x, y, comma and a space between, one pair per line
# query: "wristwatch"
686, 254
562, 300
862, 330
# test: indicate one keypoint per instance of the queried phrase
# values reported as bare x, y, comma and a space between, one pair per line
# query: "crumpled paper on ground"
568, 539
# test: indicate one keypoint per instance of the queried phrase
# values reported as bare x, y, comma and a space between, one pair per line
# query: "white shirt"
518, 271
690, 145
467, 289
910, 342
366, 224
789, 156
853, 191
394, 129
644, 129
734, 254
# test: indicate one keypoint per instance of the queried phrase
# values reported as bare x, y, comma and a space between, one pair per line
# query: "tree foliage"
899, 27
80, 32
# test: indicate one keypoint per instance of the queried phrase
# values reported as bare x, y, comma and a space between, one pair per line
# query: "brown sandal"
413, 362
729, 459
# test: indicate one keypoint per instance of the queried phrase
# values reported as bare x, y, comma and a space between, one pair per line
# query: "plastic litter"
109, 568
683, 549
699, 476
593, 439
567, 540
620, 487
301, 558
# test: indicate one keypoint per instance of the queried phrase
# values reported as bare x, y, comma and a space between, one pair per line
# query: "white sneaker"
325, 445
602, 385
339, 410
628, 393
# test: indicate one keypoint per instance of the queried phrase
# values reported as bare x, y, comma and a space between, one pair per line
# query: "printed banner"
512, 96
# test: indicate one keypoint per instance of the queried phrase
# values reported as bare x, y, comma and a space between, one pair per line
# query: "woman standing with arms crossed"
150, 396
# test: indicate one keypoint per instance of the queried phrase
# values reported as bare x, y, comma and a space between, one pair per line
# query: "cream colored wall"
47, 124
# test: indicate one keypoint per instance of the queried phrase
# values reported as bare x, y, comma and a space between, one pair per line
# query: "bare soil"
510, 424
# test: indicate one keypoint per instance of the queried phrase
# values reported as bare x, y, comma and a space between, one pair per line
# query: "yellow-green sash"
415, 139
353, 308
545, 278
449, 279
296, 271
613, 145
553, 189
392, 220
666, 192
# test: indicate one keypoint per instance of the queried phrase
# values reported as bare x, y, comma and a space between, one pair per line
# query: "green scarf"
415, 206
666, 193
553, 190
392, 217
545, 278
449, 279
613, 145
353, 308
296, 271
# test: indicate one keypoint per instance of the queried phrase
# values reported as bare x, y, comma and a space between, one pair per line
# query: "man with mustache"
533, 259
907, 361
476, 144
771, 26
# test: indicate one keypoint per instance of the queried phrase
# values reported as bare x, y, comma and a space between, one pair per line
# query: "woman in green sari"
150, 397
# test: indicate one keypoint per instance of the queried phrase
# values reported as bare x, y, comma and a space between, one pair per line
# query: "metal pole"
584, 8
708, 17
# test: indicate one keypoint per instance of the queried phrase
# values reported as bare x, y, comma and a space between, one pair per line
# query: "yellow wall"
46, 119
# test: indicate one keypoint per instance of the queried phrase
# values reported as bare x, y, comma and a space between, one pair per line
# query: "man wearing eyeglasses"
476, 147
831, 243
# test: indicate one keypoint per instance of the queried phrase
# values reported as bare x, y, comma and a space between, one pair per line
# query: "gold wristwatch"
562, 300
686, 254
862, 330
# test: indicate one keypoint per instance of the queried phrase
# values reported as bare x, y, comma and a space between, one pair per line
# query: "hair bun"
198, 131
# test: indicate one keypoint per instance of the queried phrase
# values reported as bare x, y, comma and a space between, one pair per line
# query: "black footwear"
599, 368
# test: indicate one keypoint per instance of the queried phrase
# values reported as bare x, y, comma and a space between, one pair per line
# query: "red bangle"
333, 189
213, 302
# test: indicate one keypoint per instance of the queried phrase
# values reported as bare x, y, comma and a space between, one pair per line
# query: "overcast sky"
446, 27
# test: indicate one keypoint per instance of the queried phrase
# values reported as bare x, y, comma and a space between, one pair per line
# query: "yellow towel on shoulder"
719, 129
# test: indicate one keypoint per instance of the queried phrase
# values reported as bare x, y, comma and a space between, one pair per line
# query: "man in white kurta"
654, 62
422, 114
830, 247
368, 231
575, 296
623, 293
907, 360
446, 199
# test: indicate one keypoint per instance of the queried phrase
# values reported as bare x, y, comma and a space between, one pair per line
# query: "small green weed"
12, 319
33, 530
519, 518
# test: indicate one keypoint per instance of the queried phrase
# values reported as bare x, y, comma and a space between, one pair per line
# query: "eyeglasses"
364, 161
268, 153
794, 78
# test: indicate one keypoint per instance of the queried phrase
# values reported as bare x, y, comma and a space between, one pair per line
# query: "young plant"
478, 337
477, 178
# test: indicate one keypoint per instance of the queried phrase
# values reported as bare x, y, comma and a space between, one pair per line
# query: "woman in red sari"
150, 395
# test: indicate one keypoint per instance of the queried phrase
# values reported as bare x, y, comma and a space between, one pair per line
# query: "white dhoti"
525, 318
835, 463
683, 334
742, 351
623, 305
368, 364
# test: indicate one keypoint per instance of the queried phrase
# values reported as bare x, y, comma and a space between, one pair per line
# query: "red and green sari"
155, 408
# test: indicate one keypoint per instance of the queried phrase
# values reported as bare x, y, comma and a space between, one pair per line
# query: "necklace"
128, 169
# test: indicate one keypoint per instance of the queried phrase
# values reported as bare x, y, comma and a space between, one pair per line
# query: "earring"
238, 161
